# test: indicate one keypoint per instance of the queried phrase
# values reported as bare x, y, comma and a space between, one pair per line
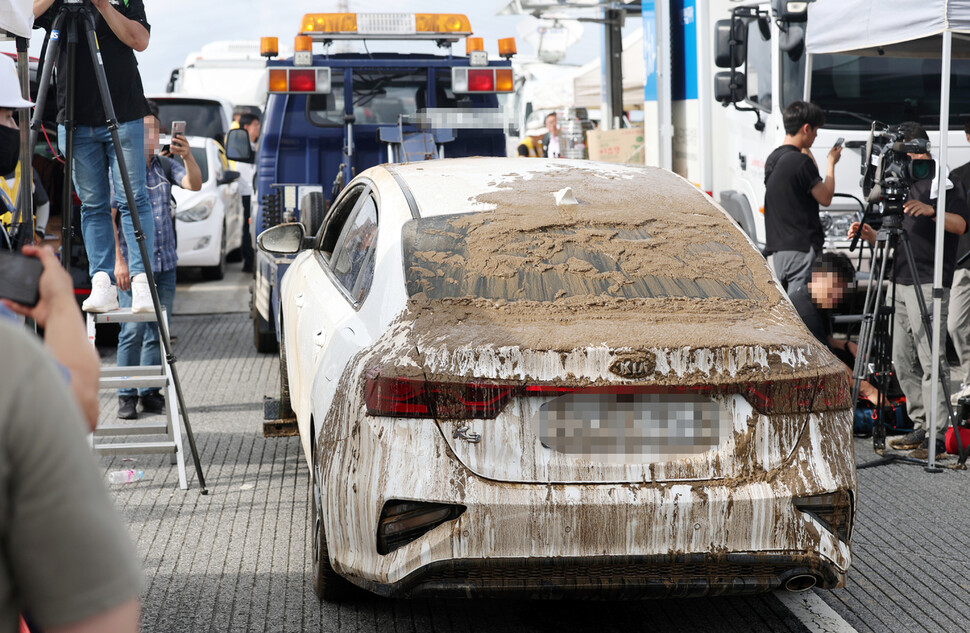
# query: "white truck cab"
762, 47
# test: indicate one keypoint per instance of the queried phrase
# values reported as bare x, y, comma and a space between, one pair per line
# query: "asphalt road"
238, 559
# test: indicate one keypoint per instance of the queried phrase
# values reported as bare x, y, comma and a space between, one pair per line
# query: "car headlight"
197, 213
836, 224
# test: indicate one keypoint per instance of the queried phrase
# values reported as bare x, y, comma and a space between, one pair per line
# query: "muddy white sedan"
544, 378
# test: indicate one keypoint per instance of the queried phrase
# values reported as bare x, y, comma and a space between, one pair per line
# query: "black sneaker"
153, 402
923, 452
126, 407
911, 440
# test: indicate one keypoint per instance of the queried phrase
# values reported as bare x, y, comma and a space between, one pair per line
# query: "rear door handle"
319, 338
298, 300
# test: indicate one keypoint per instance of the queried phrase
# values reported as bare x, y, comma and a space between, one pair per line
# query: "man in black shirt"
122, 28
912, 352
793, 191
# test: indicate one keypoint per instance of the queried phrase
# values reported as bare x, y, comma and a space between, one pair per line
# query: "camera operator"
912, 353
122, 28
793, 192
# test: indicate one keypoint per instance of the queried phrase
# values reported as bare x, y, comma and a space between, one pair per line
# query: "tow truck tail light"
299, 80
481, 80
417, 398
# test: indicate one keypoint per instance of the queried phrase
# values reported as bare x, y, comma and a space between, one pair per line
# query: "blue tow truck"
330, 116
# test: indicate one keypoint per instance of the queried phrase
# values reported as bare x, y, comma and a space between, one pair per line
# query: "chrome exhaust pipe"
801, 582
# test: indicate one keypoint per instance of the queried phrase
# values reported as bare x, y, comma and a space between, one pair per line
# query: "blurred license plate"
633, 428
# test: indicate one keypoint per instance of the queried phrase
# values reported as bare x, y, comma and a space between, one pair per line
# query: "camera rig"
888, 170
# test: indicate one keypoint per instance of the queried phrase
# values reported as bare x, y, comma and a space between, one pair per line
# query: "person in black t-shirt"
793, 192
912, 353
122, 28
958, 320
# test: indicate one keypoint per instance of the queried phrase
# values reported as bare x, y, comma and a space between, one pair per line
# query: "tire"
217, 272
286, 410
264, 339
327, 584
312, 211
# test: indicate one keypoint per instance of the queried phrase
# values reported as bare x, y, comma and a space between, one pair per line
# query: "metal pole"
612, 66
941, 178
24, 203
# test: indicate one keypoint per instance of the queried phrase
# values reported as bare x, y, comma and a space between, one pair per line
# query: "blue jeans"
93, 153
138, 343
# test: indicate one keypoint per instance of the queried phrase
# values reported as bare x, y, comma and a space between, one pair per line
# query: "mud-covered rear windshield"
451, 256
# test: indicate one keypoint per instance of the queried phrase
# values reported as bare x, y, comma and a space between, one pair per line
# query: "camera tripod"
876, 333
74, 14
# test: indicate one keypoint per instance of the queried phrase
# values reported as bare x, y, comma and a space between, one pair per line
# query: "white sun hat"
10, 95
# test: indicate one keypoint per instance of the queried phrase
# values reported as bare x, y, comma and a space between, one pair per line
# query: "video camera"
887, 169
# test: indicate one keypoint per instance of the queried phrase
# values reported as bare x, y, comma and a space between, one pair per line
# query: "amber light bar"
388, 26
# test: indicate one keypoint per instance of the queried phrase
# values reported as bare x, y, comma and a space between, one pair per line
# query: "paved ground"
237, 559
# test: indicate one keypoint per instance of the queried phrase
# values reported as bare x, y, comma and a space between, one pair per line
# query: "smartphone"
838, 143
178, 127
19, 278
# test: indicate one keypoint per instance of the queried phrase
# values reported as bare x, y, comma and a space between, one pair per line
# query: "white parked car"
551, 377
208, 222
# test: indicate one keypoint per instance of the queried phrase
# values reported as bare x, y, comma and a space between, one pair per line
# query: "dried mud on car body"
740, 497
687, 238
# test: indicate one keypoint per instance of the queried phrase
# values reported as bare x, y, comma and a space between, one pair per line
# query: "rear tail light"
418, 398
404, 521
481, 80
833, 511
415, 398
299, 80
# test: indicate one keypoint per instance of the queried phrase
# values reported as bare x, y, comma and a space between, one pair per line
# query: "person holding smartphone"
138, 343
122, 28
794, 189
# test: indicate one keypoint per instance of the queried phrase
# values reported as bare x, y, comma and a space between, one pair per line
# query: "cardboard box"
616, 146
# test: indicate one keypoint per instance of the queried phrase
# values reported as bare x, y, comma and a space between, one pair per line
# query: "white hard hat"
536, 128
10, 94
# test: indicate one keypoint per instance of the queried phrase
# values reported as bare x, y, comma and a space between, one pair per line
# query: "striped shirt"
160, 195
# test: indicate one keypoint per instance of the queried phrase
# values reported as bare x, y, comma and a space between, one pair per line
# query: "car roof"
461, 185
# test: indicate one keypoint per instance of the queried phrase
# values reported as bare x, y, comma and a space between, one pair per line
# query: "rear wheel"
218, 271
327, 584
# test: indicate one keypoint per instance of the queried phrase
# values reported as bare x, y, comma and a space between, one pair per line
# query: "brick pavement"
238, 559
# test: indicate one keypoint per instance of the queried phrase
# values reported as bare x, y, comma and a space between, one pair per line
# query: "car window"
446, 258
354, 245
758, 68
199, 154
202, 117
337, 217
380, 95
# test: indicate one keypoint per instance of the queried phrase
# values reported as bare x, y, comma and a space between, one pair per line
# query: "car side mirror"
730, 87
238, 147
282, 239
228, 176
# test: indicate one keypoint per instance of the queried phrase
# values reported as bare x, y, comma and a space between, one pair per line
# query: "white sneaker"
104, 294
141, 294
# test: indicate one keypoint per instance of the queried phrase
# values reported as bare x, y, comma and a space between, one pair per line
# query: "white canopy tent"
588, 82
902, 28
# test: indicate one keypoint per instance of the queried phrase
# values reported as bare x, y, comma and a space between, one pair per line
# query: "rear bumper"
616, 578
645, 539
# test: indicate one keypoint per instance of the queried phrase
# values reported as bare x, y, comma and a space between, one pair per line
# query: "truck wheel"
312, 211
214, 273
327, 584
264, 338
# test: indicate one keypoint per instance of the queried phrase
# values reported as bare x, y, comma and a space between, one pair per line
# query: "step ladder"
140, 377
